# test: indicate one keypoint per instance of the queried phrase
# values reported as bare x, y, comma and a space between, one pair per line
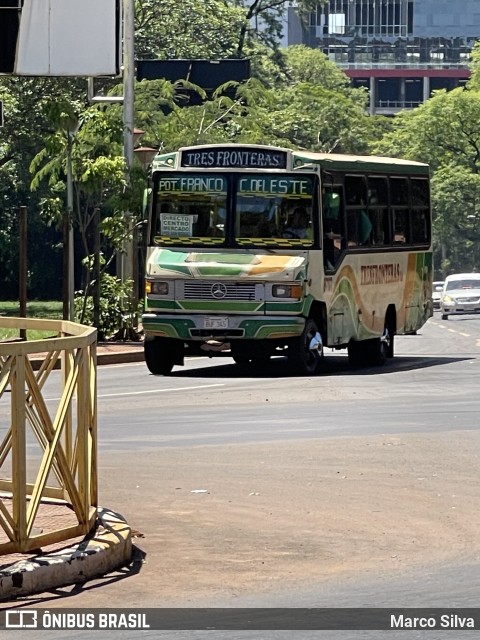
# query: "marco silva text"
444, 621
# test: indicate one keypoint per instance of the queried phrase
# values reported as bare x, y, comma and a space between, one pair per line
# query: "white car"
437, 288
460, 295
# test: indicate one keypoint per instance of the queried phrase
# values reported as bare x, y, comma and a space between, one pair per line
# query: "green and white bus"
257, 251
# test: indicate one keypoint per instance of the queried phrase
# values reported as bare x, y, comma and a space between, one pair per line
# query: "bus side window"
400, 226
378, 211
420, 214
359, 225
333, 228
399, 193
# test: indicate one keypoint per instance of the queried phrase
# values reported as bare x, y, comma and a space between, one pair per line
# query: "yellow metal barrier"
48, 435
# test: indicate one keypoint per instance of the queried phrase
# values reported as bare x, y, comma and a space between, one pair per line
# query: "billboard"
60, 37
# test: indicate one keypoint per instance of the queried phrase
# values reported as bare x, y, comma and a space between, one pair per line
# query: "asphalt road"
422, 407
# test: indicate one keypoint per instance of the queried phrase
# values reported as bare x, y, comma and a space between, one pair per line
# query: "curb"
109, 548
135, 355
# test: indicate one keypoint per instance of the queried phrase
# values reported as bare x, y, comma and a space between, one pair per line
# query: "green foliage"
116, 308
188, 29
474, 81
443, 130
456, 203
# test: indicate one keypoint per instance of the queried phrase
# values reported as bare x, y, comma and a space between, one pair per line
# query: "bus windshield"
194, 205
191, 205
272, 206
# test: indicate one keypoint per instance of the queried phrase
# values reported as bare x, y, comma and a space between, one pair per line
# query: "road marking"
467, 335
140, 393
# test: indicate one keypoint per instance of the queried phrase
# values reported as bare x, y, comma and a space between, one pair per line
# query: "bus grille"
218, 290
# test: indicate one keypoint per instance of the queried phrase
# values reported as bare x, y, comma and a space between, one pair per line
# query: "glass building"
401, 50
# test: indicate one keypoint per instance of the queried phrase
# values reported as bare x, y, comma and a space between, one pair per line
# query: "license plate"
215, 323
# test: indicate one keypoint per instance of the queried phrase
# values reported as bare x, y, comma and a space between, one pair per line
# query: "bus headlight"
287, 291
157, 288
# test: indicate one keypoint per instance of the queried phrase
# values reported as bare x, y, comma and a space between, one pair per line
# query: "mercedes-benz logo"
218, 290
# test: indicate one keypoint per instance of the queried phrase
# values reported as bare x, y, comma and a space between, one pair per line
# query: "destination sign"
274, 185
235, 157
191, 184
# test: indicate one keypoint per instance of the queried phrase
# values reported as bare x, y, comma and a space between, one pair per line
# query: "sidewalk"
108, 547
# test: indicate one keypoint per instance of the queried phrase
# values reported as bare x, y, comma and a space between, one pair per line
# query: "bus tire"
160, 355
303, 360
381, 348
356, 353
371, 352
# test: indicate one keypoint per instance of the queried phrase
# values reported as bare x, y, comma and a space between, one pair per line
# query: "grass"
50, 310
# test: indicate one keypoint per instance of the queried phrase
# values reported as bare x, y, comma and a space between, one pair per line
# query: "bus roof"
300, 159
346, 162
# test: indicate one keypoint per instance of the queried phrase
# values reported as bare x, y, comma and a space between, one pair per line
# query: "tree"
474, 80
167, 30
444, 130
221, 29
100, 187
307, 103
21, 138
456, 203
445, 133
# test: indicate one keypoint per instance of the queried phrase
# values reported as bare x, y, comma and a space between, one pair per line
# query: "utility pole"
128, 114
70, 245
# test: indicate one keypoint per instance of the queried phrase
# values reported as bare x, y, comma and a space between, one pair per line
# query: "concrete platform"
108, 547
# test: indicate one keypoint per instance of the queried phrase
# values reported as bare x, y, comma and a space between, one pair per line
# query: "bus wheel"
356, 353
161, 354
371, 352
381, 348
305, 354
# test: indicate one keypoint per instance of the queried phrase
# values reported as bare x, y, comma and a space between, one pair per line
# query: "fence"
48, 433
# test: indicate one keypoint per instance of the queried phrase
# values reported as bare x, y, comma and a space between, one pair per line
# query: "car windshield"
473, 283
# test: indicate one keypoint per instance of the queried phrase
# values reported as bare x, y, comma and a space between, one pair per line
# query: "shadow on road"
334, 365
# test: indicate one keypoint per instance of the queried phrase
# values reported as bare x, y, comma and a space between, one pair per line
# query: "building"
401, 50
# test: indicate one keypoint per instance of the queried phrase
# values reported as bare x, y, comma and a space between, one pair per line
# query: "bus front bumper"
223, 328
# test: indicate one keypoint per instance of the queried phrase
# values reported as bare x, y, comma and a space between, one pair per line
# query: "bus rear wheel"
305, 353
161, 355
372, 352
381, 348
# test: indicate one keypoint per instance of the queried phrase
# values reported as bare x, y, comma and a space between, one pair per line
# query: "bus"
257, 251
